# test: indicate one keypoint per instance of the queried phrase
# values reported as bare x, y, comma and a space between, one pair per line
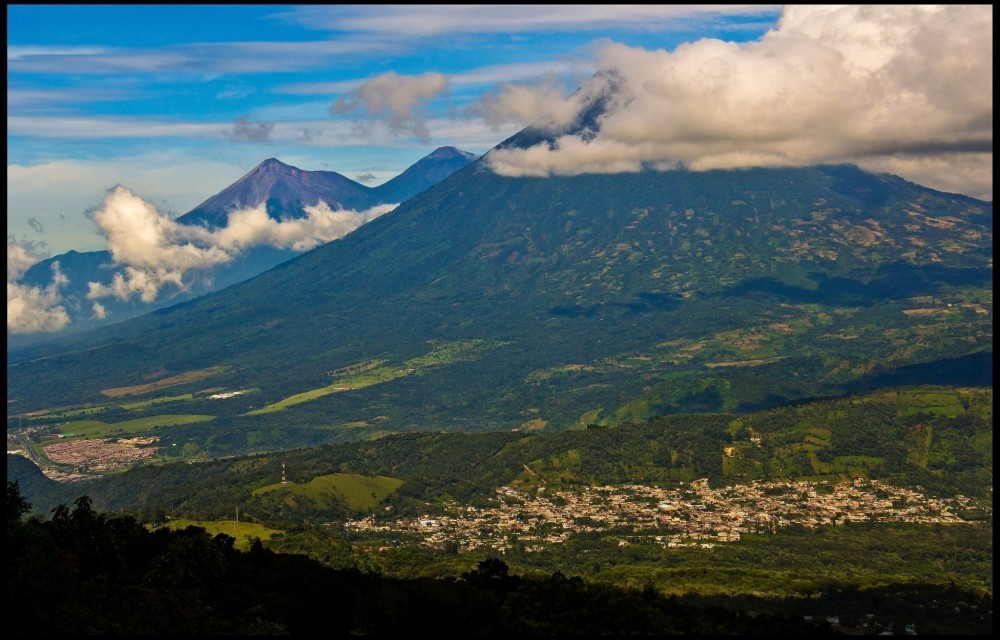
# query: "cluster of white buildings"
695, 514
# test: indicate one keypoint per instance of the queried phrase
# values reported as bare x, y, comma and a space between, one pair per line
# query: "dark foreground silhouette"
83, 572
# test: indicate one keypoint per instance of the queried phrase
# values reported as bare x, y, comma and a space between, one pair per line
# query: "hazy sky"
151, 109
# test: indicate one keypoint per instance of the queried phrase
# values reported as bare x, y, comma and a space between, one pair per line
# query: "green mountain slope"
493, 303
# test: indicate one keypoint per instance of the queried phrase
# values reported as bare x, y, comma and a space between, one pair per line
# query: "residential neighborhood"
696, 514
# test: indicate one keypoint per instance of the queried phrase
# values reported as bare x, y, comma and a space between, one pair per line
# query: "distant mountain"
284, 189
287, 190
492, 303
425, 173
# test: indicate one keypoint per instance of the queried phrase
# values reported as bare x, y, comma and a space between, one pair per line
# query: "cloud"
365, 177
543, 105
438, 20
35, 224
32, 309
26, 100
398, 101
152, 247
252, 227
76, 127
878, 86
486, 75
189, 60
53, 191
155, 251
20, 257
244, 129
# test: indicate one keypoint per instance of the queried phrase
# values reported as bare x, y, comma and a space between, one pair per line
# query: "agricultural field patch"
97, 429
938, 403
145, 404
172, 381
819, 467
374, 372
857, 466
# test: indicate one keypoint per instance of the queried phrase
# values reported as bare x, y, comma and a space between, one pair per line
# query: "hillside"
491, 303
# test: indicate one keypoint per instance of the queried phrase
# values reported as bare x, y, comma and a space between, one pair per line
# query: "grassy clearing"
77, 411
350, 383
938, 403
172, 381
375, 372
98, 429
144, 404
359, 492
819, 467
244, 532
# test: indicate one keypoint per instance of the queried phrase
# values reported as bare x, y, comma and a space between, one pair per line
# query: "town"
694, 515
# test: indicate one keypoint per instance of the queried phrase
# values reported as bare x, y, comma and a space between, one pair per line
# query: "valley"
698, 341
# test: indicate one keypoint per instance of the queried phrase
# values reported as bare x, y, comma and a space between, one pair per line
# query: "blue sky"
177, 102
121, 118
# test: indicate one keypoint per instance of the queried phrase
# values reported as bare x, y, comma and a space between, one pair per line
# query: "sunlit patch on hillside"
172, 381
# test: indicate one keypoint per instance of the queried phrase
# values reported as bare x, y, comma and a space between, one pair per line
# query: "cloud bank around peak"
152, 252
890, 88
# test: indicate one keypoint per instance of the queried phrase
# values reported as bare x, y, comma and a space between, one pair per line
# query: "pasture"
358, 492
98, 429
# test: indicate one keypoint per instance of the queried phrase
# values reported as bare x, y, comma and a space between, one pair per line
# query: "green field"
944, 403
142, 404
445, 354
98, 429
244, 532
359, 492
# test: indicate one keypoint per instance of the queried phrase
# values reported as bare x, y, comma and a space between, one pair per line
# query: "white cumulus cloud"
887, 87
542, 104
154, 251
32, 309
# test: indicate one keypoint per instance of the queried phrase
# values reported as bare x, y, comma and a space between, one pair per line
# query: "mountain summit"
435, 167
285, 190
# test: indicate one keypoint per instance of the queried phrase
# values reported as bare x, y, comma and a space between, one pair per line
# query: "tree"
492, 573
17, 506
